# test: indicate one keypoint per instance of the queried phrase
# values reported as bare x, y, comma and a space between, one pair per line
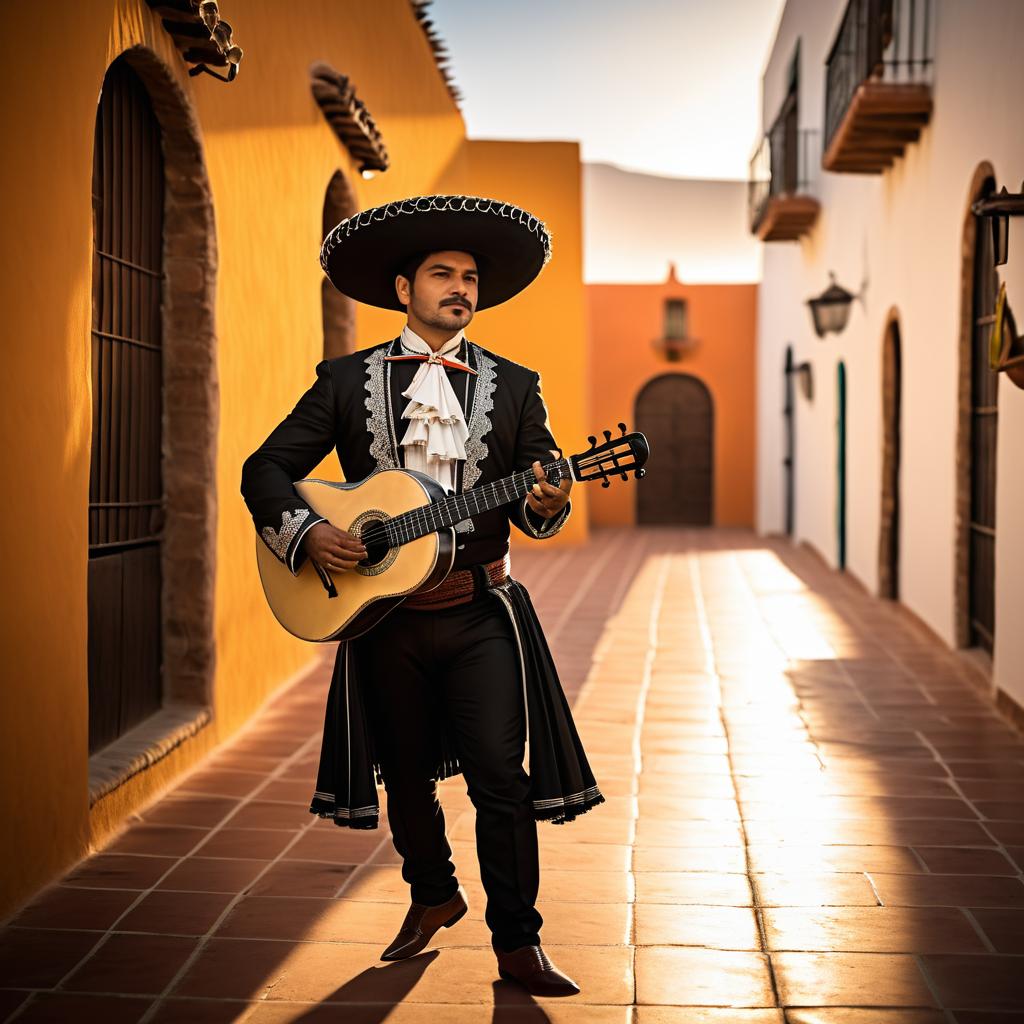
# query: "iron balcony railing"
785, 164
888, 40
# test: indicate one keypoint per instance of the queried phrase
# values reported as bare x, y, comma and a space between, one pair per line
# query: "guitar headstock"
615, 456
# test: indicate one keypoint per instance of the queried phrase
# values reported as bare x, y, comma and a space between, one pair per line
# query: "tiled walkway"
809, 809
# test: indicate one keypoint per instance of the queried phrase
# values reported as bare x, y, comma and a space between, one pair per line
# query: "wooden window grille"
126, 504
984, 421
675, 319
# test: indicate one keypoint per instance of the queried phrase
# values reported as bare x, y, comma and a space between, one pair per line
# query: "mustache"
458, 302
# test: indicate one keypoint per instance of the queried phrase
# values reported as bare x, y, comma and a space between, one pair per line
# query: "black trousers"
460, 663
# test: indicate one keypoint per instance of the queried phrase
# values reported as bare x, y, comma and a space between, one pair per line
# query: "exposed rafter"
437, 45
348, 116
200, 35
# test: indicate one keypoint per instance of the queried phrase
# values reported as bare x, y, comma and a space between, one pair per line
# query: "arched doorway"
676, 412
841, 465
126, 506
152, 496
339, 311
789, 440
889, 528
976, 440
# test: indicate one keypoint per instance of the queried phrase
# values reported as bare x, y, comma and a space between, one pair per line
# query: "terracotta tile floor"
813, 817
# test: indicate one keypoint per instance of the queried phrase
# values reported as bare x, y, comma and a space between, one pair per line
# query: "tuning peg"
593, 440
639, 473
624, 474
621, 426
607, 434
606, 482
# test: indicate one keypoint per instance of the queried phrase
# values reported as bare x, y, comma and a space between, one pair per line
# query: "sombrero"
363, 253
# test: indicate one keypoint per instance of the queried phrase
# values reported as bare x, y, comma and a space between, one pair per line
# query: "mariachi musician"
453, 679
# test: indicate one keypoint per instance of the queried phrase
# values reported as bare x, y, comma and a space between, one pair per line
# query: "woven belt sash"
461, 586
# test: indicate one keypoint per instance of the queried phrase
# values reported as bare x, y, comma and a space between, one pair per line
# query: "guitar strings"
425, 516
420, 517
412, 520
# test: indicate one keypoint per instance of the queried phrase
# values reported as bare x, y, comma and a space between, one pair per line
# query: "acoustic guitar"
406, 521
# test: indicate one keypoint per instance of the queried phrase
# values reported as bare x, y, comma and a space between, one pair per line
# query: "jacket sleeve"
295, 446
534, 441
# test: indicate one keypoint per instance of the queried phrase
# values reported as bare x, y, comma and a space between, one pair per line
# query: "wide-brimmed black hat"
363, 254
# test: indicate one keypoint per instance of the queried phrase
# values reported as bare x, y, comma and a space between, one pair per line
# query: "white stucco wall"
899, 235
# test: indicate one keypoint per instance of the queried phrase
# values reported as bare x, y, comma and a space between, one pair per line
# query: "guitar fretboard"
446, 512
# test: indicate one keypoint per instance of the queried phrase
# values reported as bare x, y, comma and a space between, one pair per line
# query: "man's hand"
545, 499
333, 549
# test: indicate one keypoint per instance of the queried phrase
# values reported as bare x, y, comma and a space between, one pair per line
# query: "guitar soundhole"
376, 551
369, 527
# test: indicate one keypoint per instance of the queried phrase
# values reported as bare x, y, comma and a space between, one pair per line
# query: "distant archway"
676, 413
978, 391
889, 527
339, 311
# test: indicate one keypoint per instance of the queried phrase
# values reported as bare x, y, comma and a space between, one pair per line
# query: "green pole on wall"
841, 467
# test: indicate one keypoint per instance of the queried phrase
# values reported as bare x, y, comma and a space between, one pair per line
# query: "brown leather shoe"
420, 924
530, 966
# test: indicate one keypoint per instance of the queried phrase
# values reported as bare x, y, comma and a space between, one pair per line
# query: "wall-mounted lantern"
1000, 208
831, 309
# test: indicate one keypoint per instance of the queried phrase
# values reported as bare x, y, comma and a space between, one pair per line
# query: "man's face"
444, 294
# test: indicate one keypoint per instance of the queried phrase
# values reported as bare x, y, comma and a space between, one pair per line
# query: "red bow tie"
432, 358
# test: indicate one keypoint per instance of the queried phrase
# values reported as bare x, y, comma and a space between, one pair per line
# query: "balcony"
782, 208
878, 93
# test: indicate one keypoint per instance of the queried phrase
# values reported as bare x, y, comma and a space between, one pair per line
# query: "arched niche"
189, 400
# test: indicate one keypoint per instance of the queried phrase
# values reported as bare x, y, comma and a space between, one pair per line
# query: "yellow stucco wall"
269, 156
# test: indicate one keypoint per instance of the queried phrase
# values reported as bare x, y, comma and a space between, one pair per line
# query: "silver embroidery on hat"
425, 204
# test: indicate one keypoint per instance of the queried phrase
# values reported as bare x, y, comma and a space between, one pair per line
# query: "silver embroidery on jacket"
377, 407
479, 425
548, 531
280, 540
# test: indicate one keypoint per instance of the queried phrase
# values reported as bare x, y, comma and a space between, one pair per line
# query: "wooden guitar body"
407, 522
376, 585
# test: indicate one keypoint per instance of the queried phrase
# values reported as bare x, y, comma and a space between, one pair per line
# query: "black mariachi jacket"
355, 406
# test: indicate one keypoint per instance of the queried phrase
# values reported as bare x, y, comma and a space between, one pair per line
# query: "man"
454, 678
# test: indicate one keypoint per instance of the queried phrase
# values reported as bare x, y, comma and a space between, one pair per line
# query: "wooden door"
676, 414
789, 440
889, 533
125, 482
841, 465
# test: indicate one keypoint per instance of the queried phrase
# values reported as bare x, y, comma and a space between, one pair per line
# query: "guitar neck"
446, 512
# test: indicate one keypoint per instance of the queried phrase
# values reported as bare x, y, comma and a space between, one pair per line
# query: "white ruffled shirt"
435, 438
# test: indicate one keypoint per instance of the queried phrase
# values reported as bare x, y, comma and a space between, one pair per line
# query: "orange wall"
545, 326
269, 156
624, 320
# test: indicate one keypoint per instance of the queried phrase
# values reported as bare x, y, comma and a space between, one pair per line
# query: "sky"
668, 87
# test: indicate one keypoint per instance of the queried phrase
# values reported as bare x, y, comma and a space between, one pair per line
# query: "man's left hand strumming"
546, 499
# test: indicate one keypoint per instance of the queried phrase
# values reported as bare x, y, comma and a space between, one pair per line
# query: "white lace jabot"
435, 439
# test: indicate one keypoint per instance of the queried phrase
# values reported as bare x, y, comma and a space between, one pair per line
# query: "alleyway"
809, 806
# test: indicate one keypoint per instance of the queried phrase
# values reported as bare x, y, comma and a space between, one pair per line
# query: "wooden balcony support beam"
881, 121
787, 218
